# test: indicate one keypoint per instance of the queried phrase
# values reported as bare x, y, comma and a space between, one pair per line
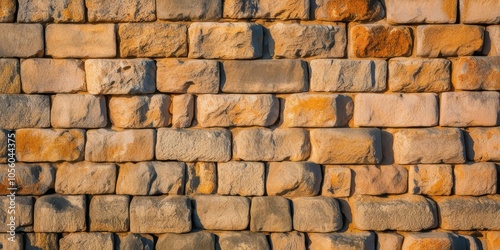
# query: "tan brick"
145, 111
201, 178
240, 178
215, 212
378, 180
430, 179
78, 111
293, 179
290, 240
194, 240
60, 213
358, 10
52, 75
476, 73
21, 40
339, 241
433, 240
475, 178
23, 213
479, 11
316, 214
135, 241
10, 79
121, 10
425, 11
270, 214
295, 40
89, 240
491, 45
189, 10
85, 178
373, 40
41, 240
464, 109
419, 75
448, 40
109, 213
389, 241
80, 40
31, 179
8, 10
187, 76
35, 145
182, 109
51, 11
234, 240
35, 110
160, 214
483, 144
469, 213
337, 181
268, 9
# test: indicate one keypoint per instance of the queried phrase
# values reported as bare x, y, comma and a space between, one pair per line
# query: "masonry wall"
250, 124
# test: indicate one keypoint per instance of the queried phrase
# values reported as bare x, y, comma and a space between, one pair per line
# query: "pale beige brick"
374, 40
361, 10
52, 75
430, 179
483, 144
187, 76
475, 178
268, 9
145, 111
423, 11
8, 10
270, 214
215, 212
51, 11
240, 178
109, 213
419, 75
434, 240
160, 214
479, 11
182, 109
389, 241
151, 178
491, 46
337, 181
121, 10
290, 240
60, 213
78, 111
379, 180
10, 79
21, 40
206, 10
89, 240
316, 214
85, 178
469, 213
476, 73
464, 109
293, 179
35, 110
448, 40
339, 241
52, 145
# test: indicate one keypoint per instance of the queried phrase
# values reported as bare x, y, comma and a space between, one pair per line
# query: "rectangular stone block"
160, 214
396, 110
361, 10
196, 10
270, 214
35, 110
230, 176
52, 145
60, 213
89, 240
85, 178
187, 76
190, 145
52, 75
31, 179
293, 179
479, 11
329, 75
225, 40
469, 213
339, 241
106, 145
476, 73
109, 213
78, 111
483, 144
426, 11
337, 181
215, 212
289, 240
41, 241
316, 214
379, 180
430, 179
144, 111
182, 109
234, 240
80, 40
268, 9
264, 76
448, 40
475, 178
491, 45
293, 40
374, 40
390, 240
21, 209
438, 240
41, 11
194, 240
419, 75
10, 78
21, 40
135, 241
201, 178
467, 108
8, 11
121, 10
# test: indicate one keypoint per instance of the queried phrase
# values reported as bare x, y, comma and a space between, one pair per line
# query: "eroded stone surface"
187, 76
109, 213
189, 10
85, 178
469, 213
160, 214
78, 111
270, 214
240, 178
293, 178
221, 212
430, 179
51, 11
145, 111
89, 240
476, 73
338, 241
135, 241
8, 11
426, 11
41, 241
373, 40
182, 109
244, 9
419, 75
467, 108
52, 75
120, 10
378, 180
389, 241
448, 40
357, 10
491, 45
35, 145
35, 110
290, 240
316, 214
60, 213
337, 181
436, 240
483, 144
201, 178
475, 178
233, 240
479, 11
21, 40
10, 78
189, 241
23, 215
31, 179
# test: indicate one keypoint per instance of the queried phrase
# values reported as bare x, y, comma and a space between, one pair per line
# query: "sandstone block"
160, 214
89, 240
35, 110
295, 40
187, 76
493, 239
464, 109
135, 241
430, 145
152, 40
234, 240
189, 241
42, 75
290, 240
373, 40
182, 109
35, 145
491, 43
482, 11
245, 9
339, 241
21, 40
389, 241
8, 11
293, 179
109, 213
359, 10
189, 10
345, 146
262, 144
105, 145
430, 179
85, 178
221, 212
120, 10
78, 111
475, 73
201, 178
240, 178
475, 178
225, 40
396, 110
60, 213
80, 40
264, 76
145, 111
483, 144
434, 240
403, 212
427, 11
378, 180
316, 214
270, 214
191, 145
41, 241
337, 181
151, 178
51, 11
448, 40
419, 75
10, 79
120, 76
31, 179
469, 213
17, 243
348, 75
23, 213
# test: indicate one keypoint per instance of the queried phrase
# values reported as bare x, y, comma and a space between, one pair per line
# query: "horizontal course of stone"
251, 124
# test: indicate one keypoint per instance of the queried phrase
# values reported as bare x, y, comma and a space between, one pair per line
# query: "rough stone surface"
105, 145
60, 213
245, 240
134, 241
430, 179
358, 10
206, 10
476, 73
35, 110
345, 146
464, 109
15, 243
337, 181
35, 145
426, 11
378, 180
89, 240
373, 40
31, 179
10, 79
419, 75
225, 40
153, 40
41, 241
236, 110
295, 40
145, 111
316, 214
78, 111
240, 178
285, 10
182, 109
491, 45
109, 213
201, 178
339, 241
433, 240
85, 178
403, 212
270, 214
475, 178
189, 241
52, 76
469, 213
483, 144
448, 40
160, 214
293, 179
120, 10
187, 76
262, 144
51, 11
290, 240
479, 11
21, 40
8, 10
23, 215
389, 241
221, 212
191, 145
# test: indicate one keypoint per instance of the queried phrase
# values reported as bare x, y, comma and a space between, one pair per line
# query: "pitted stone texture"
290, 240
469, 213
35, 110
85, 178
51, 11
264, 76
345, 146
464, 109
235, 240
389, 241
109, 213
196, 10
229, 110
120, 76
266, 9
348, 75
337, 181
240, 178
491, 45
10, 78
270, 214
14, 242
425, 11
80, 40
187, 76
36, 145
475, 178
316, 214
60, 213
190, 145
21, 40
30, 179
160, 214
41, 241
379, 180
358, 10
373, 40
89, 240
295, 40
221, 212
293, 179
433, 240
448, 40
201, 178
476, 73
151, 178
339, 241
483, 144
120, 10
430, 145
78, 111
430, 179
189, 241
8, 11
402, 213
23, 213
396, 110
479, 11
152, 40
419, 75
105, 145
262, 144
135, 241
52, 75
225, 40
145, 111
182, 109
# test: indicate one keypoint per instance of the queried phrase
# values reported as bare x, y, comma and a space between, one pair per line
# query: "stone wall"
250, 124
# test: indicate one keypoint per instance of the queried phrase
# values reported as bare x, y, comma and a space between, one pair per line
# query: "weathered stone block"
464, 109
78, 111
21, 208
378, 180
109, 213
373, 40
189, 10
31, 179
221, 212
491, 45
475, 73
469, 213
316, 214
35, 110
337, 181
339, 241
191, 145
268, 9
189, 241
448, 40
240, 178
145, 111
60, 213
293, 178
389, 241
160, 214
21, 40
479, 11
483, 144
360, 10
14, 243
427, 11
51, 11
85, 178
89, 240
106, 145
290, 240
234, 240
10, 79
270, 214
41, 241
120, 10
419, 75
430, 179
475, 178
201, 178
135, 241
35, 145
182, 109
42, 75
8, 11
434, 240
187, 76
